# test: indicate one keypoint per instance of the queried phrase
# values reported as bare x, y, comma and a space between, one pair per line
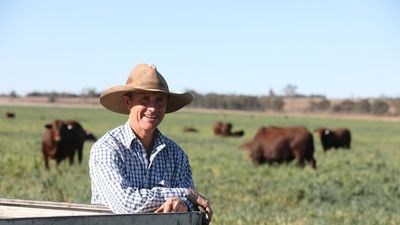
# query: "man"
134, 167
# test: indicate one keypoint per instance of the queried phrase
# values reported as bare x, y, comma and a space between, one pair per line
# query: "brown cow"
217, 127
334, 138
61, 139
276, 144
224, 129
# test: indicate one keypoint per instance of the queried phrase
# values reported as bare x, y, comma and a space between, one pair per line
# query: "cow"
61, 139
238, 133
225, 130
217, 127
10, 115
334, 138
190, 130
282, 144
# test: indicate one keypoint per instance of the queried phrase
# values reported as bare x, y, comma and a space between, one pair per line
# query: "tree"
275, 103
396, 105
13, 94
89, 92
320, 106
344, 106
363, 106
290, 90
271, 93
379, 107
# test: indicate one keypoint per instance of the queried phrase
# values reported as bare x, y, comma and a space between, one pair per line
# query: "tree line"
270, 102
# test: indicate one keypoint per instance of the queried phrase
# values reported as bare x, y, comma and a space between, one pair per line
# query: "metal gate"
23, 212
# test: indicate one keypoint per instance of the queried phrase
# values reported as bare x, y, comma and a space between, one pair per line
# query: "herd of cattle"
62, 139
285, 144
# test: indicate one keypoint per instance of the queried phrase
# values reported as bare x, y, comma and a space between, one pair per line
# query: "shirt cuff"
188, 204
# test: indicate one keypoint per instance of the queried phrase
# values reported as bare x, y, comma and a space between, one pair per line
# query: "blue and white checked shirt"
123, 180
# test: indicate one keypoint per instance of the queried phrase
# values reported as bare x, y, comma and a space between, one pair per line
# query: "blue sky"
340, 49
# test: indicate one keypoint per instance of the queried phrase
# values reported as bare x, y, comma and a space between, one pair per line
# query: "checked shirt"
123, 180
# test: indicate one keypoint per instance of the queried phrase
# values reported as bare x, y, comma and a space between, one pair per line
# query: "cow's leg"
299, 158
257, 155
325, 147
58, 160
313, 163
80, 148
300, 162
46, 160
71, 158
45, 155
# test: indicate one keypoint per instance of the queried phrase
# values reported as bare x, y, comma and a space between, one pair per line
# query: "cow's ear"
48, 126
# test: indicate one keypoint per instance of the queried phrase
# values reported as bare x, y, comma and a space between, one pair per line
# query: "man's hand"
174, 204
198, 200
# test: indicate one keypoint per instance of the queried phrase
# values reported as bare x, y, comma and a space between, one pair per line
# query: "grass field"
359, 186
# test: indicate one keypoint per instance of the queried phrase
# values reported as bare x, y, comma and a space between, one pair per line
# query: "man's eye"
144, 99
160, 100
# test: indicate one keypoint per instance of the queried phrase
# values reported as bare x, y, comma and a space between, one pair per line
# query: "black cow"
334, 138
10, 115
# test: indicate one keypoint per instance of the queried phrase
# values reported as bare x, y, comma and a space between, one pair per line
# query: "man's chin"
150, 125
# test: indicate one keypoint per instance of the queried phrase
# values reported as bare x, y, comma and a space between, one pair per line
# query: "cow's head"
59, 130
226, 129
217, 127
320, 130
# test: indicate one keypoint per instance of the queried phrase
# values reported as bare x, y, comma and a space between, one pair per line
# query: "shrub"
363, 106
379, 107
320, 106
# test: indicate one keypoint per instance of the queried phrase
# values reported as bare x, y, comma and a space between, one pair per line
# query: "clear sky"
338, 48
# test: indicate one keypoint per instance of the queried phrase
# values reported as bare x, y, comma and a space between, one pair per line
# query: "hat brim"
111, 99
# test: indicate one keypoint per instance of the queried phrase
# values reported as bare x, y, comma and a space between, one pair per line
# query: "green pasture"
357, 186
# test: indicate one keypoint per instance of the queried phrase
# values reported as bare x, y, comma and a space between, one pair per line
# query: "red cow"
334, 138
61, 139
275, 144
217, 127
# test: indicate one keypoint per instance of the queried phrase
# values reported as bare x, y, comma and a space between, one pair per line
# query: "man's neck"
146, 137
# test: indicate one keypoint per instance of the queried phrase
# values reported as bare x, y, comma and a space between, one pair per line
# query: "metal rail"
23, 212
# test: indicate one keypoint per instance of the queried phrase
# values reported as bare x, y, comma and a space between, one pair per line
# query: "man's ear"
126, 100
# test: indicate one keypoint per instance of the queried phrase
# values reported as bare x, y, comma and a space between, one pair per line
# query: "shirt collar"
159, 139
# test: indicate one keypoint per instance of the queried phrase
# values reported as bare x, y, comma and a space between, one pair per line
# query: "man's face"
147, 110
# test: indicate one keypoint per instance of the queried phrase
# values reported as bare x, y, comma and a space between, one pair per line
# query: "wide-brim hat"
143, 78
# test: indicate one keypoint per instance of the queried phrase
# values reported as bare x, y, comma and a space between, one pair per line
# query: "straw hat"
143, 78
